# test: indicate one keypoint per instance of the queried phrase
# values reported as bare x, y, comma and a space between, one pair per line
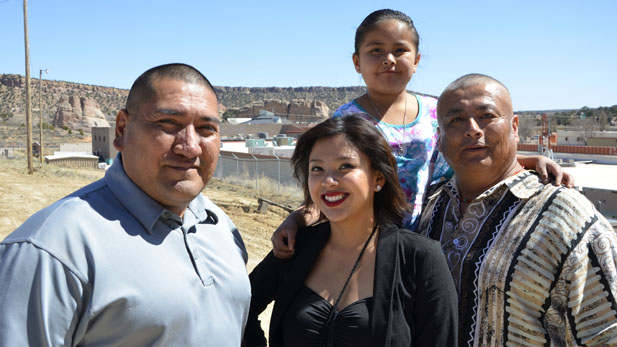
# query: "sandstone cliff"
79, 113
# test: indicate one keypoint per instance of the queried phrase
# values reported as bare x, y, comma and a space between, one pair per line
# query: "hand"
284, 237
547, 169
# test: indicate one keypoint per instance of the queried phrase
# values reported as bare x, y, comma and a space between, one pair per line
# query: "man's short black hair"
143, 87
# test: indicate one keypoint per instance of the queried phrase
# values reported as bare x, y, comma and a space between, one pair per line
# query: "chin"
187, 189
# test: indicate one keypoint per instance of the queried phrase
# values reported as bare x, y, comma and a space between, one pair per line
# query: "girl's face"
341, 181
387, 57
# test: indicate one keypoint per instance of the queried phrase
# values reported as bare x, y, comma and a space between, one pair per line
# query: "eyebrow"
377, 43
458, 110
341, 158
175, 112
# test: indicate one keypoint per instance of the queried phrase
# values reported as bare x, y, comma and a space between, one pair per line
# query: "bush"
81, 132
70, 131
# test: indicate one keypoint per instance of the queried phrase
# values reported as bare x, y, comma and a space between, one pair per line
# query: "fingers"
558, 177
543, 174
568, 180
279, 247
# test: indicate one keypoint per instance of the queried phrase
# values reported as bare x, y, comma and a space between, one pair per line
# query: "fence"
254, 167
532, 147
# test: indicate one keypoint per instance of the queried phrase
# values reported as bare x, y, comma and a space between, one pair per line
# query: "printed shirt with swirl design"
421, 163
534, 264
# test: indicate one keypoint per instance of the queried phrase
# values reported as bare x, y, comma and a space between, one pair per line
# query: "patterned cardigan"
534, 264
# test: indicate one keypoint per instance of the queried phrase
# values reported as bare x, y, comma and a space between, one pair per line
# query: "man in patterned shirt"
534, 264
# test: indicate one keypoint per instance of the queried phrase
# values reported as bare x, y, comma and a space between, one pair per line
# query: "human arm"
284, 237
41, 300
436, 302
265, 281
545, 167
591, 280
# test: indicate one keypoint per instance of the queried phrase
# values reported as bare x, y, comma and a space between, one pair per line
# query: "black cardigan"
414, 299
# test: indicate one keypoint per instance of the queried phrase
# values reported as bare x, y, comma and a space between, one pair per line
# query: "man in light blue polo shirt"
140, 257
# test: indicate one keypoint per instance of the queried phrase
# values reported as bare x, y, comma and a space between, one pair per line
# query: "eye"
207, 130
347, 166
456, 119
375, 50
316, 168
168, 124
487, 115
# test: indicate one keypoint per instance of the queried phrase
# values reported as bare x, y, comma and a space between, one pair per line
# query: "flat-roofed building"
103, 142
68, 159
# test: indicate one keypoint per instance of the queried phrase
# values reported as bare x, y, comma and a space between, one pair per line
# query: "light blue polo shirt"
107, 265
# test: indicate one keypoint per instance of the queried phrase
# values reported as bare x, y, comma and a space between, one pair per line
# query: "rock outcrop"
79, 113
296, 110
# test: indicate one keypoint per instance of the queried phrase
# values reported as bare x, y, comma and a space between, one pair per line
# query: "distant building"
67, 159
265, 117
103, 142
590, 138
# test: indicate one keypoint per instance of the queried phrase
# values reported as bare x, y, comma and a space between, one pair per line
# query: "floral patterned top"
420, 163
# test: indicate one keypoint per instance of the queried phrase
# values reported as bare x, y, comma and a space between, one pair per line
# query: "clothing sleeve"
590, 274
436, 303
265, 281
40, 299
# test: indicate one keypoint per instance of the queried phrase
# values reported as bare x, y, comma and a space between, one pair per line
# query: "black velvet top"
305, 323
414, 300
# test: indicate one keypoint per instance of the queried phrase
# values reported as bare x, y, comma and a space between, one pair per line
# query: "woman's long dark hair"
389, 203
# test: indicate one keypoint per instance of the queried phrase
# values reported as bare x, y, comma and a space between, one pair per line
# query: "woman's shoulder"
314, 233
413, 242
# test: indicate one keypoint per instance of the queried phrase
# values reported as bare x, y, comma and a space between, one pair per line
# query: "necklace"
400, 150
333, 312
355, 266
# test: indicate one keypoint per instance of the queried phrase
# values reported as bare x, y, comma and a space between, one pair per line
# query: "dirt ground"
22, 194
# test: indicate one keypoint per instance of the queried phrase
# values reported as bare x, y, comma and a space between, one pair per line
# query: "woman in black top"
357, 279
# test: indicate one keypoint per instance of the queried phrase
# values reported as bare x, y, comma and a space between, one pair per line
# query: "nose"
330, 179
187, 142
473, 129
389, 59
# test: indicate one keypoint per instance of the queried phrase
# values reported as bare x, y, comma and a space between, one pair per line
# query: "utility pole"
28, 105
41, 117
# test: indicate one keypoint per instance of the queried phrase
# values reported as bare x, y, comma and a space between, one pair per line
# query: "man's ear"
122, 120
439, 138
356, 62
515, 127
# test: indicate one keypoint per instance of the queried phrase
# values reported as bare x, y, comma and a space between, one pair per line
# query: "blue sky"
551, 54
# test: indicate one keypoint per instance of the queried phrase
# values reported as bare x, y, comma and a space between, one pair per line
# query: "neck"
350, 235
385, 101
472, 184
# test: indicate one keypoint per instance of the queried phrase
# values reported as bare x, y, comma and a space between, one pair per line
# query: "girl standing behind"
387, 56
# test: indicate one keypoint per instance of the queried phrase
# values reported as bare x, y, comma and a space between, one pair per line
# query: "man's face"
170, 144
478, 131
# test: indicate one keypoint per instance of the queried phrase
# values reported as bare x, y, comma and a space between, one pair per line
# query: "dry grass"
22, 194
